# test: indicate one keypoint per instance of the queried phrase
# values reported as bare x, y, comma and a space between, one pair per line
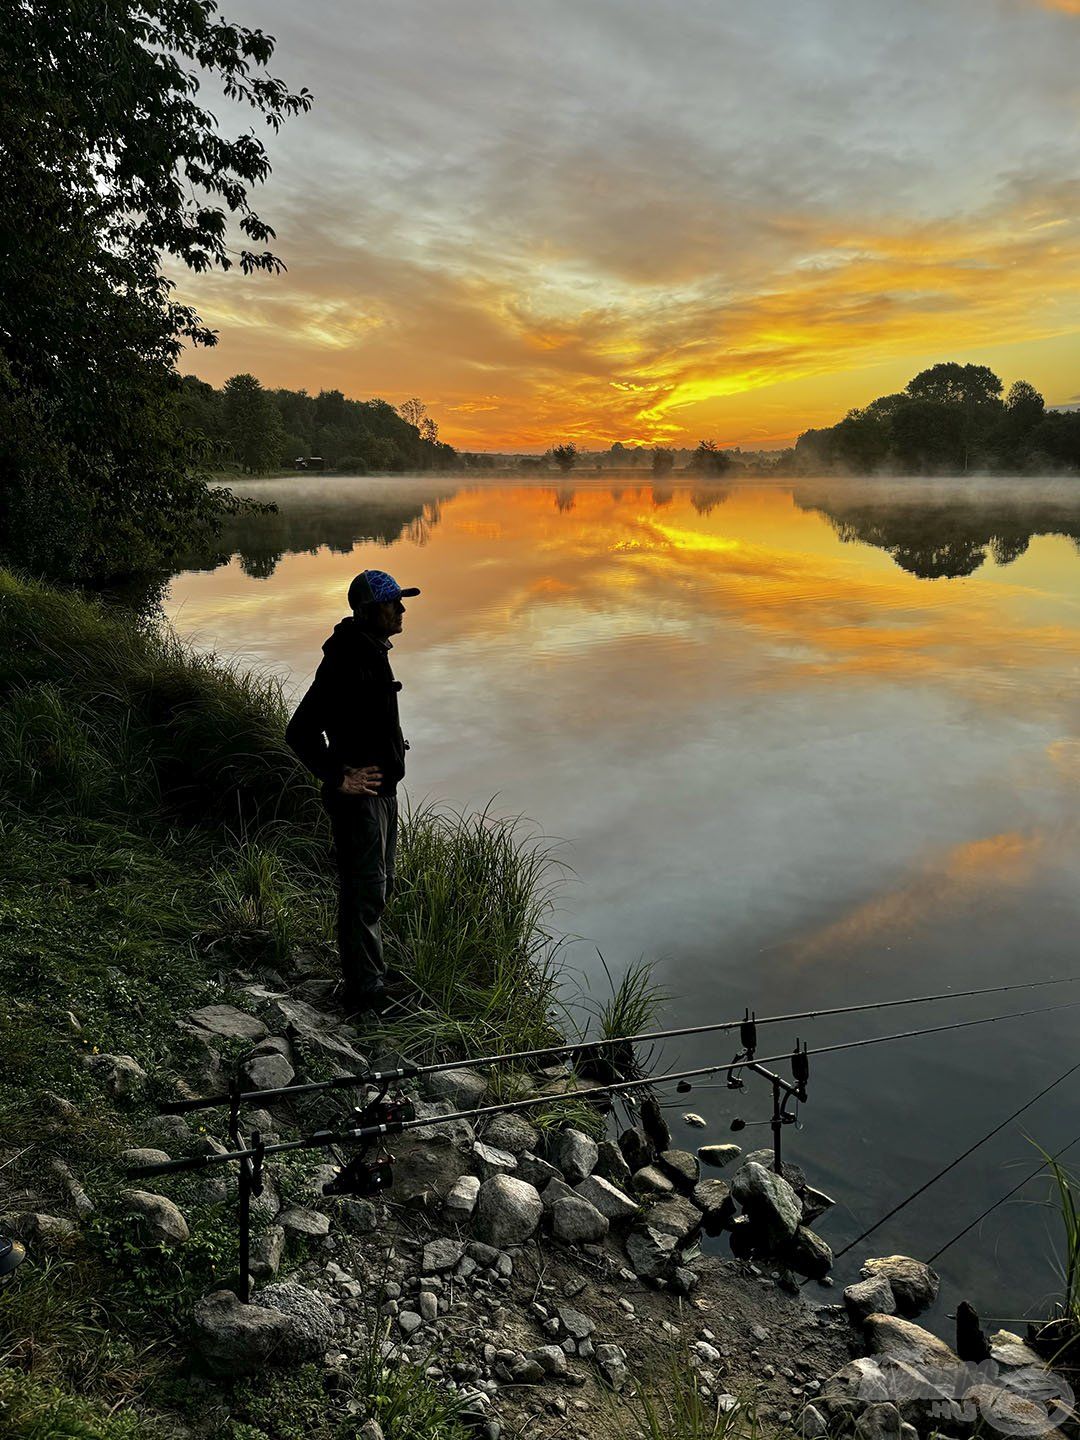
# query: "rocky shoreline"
540, 1275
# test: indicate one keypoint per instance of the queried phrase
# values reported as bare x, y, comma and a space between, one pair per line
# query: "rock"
236, 1339
675, 1216
484, 1255
421, 1166
409, 1321
713, 1199
704, 1353
576, 1222
526, 1372
312, 1224
488, 1161
535, 1171
1011, 1352
36, 1229
160, 1222
577, 1326
556, 1190
273, 1045
869, 1297
809, 1254
550, 1358
611, 1362
508, 1211
295, 1017
696, 1122
268, 1072
611, 1165
267, 1249
429, 1306
795, 1175
880, 1421
372, 1430
814, 1203
914, 1285
353, 1213
461, 1199
652, 1255
860, 1383
143, 1155
718, 1155
684, 1280
654, 1124
813, 1426
513, 1133
611, 1202
228, 1022
465, 1089
681, 1167
635, 1147
441, 1255
901, 1340
1007, 1413
442, 1131
769, 1201
651, 1180
314, 1322
121, 1076
574, 1153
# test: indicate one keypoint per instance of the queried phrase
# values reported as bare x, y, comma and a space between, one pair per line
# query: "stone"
814, 1203
294, 1017
144, 1155
488, 1161
508, 1211
718, 1155
654, 1124
652, 1255
795, 1175
228, 1022
635, 1147
713, 1199
268, 1072
556, 1190
902, 1340
312, 1224
651, 1180
684, 1280
484, 1255
576, 1222
676, 1216
409, 1321
1004, 1412
859, 1383
611, 1362
267, 1248
36, 1229
513, 1133
121, 1076
441, 1255
1010, 1351
681, 1167
869, 1297
769, 1201
280, 1328
370, 1430
429, 1306
160, 1221
461, 1199
611, 1164
914, 1285
578, 1326
353, 1213
812, 1424
441, 1130
526, 1372
550, 1358
613, 1203
574, 1153
704, 1353
696, 1122
273, 1045
880, 1421
465, 1089
809, 1254
535, 1171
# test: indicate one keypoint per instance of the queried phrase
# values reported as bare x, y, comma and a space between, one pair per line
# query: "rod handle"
169, 1167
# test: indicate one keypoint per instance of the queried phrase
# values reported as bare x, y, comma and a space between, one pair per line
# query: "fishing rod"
379, 1078
321, 1139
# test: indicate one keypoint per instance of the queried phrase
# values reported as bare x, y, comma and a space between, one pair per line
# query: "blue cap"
375, 587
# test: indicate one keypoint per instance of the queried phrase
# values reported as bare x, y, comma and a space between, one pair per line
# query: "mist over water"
807, 743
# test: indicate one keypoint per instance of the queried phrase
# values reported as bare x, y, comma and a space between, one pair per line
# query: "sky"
600, 220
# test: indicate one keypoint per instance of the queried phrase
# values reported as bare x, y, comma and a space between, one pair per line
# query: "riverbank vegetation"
159, 840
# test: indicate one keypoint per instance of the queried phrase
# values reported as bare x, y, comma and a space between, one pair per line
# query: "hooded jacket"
349, 716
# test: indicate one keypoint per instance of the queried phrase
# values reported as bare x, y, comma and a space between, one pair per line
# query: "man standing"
346, 731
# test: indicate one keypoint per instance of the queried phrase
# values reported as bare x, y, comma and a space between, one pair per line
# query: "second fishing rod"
395, 1076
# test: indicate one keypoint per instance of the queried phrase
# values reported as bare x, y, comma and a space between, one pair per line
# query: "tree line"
951, 419
259, 430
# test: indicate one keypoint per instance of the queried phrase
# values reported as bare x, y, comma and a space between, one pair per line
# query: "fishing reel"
365, 1174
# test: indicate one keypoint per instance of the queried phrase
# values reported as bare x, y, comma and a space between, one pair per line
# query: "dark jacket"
349, 716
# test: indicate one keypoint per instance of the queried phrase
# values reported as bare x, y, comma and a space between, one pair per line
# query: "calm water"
806, 744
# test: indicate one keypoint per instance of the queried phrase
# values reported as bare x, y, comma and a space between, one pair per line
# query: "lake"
805, 744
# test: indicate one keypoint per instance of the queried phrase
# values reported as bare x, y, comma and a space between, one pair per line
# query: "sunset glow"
566, 222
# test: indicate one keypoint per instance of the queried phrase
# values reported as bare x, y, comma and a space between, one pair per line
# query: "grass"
670, 1405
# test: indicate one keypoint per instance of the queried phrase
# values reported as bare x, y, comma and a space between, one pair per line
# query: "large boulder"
508, 1211
614, 1204
713, 1198
680, 1167
270, 1071
674, 1216
229, 1023
576, 1222
159, 1221
898, 1339
652, 1255
809, 1254
513, 1133
611, 1164
465, 1089
121, 1076
914, 1284
770, 1202
870, 1297
286, 1325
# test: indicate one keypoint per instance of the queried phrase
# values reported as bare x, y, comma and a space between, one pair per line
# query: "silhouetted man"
346, 731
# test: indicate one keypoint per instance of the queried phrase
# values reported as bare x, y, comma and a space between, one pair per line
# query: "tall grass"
1068, 1205
671, 1405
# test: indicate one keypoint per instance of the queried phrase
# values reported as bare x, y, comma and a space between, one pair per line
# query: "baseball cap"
374, 587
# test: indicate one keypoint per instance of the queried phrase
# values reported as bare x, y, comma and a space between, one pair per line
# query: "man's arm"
305, 733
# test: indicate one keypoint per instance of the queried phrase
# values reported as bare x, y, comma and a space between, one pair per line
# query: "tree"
1024, 404
565, 456
662, 460
108, 164
413, 411
709, 459
953, 384
253, 425
429, 430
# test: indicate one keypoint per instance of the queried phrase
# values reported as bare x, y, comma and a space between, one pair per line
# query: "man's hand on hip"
361, 780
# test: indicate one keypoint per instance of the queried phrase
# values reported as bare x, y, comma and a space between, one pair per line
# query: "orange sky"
606, 222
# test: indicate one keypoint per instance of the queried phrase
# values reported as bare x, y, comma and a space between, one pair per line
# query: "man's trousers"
365, 843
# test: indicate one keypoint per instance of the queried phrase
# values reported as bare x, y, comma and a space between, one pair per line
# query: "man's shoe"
366, 1002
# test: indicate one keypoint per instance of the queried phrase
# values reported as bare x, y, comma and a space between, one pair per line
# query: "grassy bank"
156, 839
